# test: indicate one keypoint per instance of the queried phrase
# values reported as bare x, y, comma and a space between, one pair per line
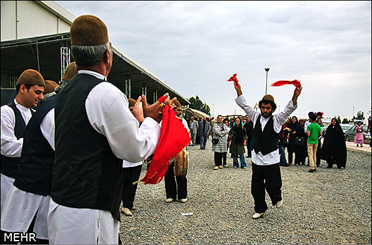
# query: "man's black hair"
313, 117
28, 86
273, 105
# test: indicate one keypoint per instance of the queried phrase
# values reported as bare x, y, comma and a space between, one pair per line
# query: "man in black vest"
265, 155
14, 118
26, 206
94, 131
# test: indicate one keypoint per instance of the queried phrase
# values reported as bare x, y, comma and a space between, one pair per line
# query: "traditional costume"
265, 155
94, 131
14, 118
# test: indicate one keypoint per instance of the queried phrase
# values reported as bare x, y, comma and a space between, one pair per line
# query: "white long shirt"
10, 145
20, 206
108, 113
278, 120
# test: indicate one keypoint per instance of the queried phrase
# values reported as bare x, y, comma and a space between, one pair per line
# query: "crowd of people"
304, 145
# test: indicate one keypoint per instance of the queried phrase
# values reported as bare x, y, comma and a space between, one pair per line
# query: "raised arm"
296, 93
238, 89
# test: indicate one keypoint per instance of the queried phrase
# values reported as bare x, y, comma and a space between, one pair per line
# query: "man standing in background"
193, 130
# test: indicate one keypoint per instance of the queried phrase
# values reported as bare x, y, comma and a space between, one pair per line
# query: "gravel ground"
330, 206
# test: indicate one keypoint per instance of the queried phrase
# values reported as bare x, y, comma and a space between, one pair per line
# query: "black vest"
265, 141
86, 173
9, 165
35, 170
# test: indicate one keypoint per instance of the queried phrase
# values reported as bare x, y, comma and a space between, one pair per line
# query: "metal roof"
42, 53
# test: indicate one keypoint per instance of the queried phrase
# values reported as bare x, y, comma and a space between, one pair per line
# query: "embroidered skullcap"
50, 86
88, 30
131, 102
32, 77
70, 72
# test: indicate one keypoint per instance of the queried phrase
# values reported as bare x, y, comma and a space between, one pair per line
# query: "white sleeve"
10, 145
108, 113
47, 128
281, 118
247, 109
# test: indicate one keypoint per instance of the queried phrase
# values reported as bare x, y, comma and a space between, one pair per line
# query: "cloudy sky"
196, 46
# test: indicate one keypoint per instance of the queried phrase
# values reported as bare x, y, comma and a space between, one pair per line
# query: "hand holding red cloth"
284, 82
233, 78
173, 138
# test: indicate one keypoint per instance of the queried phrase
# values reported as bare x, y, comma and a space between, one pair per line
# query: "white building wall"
23, 19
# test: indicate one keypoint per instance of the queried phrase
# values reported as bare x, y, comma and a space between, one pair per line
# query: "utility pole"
267, 74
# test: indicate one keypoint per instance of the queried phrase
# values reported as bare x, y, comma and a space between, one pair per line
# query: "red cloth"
161, 99
233, 78
173, 138
284, 82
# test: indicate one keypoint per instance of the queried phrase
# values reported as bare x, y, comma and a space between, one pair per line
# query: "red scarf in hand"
284, 82
173, 138
233, 78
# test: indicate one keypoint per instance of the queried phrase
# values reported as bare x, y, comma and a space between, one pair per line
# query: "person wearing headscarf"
359, 138
237, 140
301, 149
219, 141
224, 154
334, 146
296, 129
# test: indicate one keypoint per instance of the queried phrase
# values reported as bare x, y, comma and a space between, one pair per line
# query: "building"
35, 34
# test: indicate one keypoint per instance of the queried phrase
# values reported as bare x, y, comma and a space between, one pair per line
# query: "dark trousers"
269, 178
290, 149
317, 153
129, 190
170, 184
224, 158
249, 151
218, 158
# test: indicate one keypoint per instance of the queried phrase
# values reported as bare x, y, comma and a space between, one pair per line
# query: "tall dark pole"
267, 73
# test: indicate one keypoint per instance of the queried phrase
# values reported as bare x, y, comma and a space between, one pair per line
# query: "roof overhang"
42, 53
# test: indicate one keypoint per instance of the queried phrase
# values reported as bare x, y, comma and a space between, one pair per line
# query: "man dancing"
265, 155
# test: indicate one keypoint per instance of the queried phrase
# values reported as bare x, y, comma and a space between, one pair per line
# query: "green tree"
345, 121
197, 103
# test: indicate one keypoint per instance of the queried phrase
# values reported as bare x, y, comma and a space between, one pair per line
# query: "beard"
266, 115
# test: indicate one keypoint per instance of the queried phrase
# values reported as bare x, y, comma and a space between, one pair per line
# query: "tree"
345, 121
196, 103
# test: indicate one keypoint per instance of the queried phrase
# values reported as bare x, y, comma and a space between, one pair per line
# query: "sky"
195, 47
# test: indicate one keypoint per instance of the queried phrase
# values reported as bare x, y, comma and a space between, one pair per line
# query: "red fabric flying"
173, 138
284, 82
233, 78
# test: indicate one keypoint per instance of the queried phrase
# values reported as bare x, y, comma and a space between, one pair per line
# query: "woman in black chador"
334, 146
